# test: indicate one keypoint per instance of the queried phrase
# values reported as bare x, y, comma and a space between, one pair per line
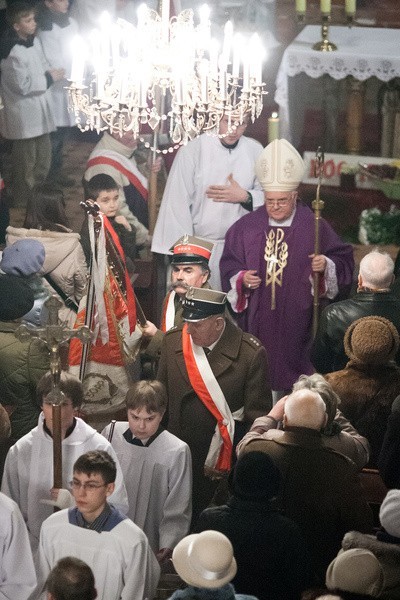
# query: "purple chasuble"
286, 330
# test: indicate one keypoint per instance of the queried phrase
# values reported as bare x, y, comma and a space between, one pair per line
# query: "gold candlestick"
325, 45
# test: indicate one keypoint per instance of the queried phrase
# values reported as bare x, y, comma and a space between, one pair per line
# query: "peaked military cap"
200, 303
191, 250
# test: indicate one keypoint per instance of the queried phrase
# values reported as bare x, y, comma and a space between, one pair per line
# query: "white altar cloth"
363, 52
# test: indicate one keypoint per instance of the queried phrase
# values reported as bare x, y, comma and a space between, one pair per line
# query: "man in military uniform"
217, 382
189, 267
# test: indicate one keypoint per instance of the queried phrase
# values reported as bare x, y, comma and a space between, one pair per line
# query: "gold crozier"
276, 254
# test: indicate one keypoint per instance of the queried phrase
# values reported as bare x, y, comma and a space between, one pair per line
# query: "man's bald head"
305, 408
376, 270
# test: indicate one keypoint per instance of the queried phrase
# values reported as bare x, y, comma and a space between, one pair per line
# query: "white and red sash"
168, 316
206, 387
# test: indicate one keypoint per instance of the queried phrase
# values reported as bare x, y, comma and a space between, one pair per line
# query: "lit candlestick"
301, 6
165, 20
78, 61
350, 7
257, 54
179, 90
222, 78
141, 16
115, 46
203, 71
214, 48
246, 72
226, 48
237, 55
204, 12
273, 127
326, 7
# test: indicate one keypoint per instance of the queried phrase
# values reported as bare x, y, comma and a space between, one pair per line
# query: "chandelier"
165, 74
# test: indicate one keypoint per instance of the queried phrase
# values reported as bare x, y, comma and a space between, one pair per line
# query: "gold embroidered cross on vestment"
276, 254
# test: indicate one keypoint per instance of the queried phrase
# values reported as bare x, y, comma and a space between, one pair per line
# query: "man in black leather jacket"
374, 297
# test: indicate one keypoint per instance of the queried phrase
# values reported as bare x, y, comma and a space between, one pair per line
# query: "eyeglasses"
88, 486
280, 202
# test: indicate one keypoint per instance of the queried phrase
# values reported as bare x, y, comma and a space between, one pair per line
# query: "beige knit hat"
356, 570
371, 340
279, 168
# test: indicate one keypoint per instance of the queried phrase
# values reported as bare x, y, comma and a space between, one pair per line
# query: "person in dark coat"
213, 373
22, 362
320, 489
389, 458
259, 534
370, 381
374, 297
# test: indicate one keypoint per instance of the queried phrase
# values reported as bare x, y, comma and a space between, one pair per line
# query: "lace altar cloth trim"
363, 52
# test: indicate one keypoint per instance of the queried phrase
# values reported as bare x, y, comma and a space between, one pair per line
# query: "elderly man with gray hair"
337, 433
374, 297
320, 489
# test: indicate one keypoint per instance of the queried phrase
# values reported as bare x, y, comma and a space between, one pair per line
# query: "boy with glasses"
28, 472
96, 532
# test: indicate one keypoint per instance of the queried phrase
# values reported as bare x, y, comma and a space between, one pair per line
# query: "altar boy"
153, 459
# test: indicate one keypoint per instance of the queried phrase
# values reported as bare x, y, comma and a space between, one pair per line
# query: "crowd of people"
240, 465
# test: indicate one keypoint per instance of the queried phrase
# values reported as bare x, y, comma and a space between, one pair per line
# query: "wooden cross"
53, 334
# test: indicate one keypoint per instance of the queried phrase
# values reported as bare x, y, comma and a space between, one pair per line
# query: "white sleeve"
175, 218
51, 48
10, 481
142, 572
330, 280
178, 504
17, 572
119, 497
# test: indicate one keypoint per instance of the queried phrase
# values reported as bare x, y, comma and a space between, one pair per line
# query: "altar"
363, 53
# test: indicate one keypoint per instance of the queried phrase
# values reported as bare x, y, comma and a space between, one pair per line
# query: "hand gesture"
123, 221
232, 192
57, 74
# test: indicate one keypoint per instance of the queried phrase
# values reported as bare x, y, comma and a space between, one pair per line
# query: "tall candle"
246, 72
273, 127
301, 6
226, 48
165, 20
326, 6
78, 61
350, 7
203, 70
237, 55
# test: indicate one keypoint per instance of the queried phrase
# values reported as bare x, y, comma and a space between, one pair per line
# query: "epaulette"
251, 340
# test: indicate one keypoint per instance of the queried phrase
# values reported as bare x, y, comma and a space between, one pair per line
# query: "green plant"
377, 227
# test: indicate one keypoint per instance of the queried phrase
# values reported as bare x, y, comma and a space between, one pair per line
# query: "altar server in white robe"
17, 573
28, 470
157, 468
212, 183
117, 550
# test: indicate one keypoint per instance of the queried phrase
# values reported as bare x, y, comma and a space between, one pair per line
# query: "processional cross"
53, 334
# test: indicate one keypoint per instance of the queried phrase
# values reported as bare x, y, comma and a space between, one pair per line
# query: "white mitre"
279, 168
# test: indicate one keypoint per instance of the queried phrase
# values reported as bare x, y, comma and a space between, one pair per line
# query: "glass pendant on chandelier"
165, 70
